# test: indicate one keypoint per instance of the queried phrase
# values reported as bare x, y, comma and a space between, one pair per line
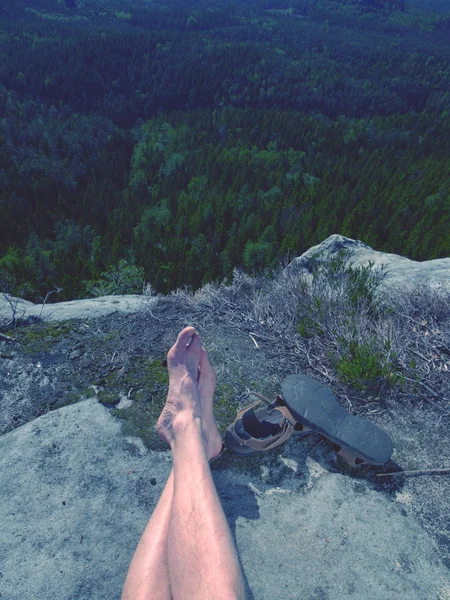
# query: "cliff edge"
82, 385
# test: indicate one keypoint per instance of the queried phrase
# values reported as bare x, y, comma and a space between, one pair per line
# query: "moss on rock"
108, 398
146, 383
37, 338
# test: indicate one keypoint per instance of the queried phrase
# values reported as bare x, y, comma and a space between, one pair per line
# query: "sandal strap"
286, 430
241, 412
350, 457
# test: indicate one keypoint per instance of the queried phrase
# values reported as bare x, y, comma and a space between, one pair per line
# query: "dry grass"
342, 324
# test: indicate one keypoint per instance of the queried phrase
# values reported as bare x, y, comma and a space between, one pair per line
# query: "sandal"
305, 407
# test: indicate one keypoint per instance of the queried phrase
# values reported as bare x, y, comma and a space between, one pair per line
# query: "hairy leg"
203, 561
148, 575
202, 558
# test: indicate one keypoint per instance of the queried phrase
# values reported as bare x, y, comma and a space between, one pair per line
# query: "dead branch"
260, 396
13, 304
254, 341
429, 390
445, 471
47, 296
7, 338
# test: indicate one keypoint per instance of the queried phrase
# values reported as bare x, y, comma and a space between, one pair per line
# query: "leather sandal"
306, 406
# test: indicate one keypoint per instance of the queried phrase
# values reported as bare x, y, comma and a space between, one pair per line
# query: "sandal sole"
235, 447
316, 407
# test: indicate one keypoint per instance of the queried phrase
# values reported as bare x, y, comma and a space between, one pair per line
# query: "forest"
169, 143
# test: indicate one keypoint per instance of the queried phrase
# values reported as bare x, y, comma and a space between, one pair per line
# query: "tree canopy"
188, 138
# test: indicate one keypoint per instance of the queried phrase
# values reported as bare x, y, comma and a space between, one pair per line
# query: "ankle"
186, 422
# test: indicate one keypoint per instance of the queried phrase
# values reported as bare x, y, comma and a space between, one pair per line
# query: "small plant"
358, 285
362, 363
340, 310
120, 279
310, 320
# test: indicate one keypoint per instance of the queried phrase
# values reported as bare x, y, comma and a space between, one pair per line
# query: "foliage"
339, 286
123, 279
342, 308
362, 363
365, 356
199, 138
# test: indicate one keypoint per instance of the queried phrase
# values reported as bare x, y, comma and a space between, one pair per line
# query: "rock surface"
79, 481
400, 271
90, 308
76, 495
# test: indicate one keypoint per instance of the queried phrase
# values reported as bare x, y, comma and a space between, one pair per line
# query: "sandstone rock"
401, 272
76, 495
89, 308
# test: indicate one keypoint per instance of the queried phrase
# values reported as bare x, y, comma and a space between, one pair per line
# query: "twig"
314, 447
152, 315
255, 489
420, 355
47, 296
323, 372
433, 393
445, 471
260, 335
261, 397
349, 403
7, 338
254, 341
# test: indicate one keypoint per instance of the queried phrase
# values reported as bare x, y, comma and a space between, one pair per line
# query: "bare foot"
206, 386
183, 400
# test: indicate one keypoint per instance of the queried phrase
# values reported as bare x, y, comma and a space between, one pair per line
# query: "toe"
177, 354
194, 351
196, 345
206, 379
184, 337
206, 369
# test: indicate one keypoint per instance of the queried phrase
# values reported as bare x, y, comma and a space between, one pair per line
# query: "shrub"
362, 363
344, 327
120, 279
341, 310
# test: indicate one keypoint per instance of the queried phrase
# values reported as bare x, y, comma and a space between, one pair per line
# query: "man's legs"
148, 575
186, 550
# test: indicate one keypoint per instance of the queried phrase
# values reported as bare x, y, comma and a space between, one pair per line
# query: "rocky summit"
400, 271
82, 385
